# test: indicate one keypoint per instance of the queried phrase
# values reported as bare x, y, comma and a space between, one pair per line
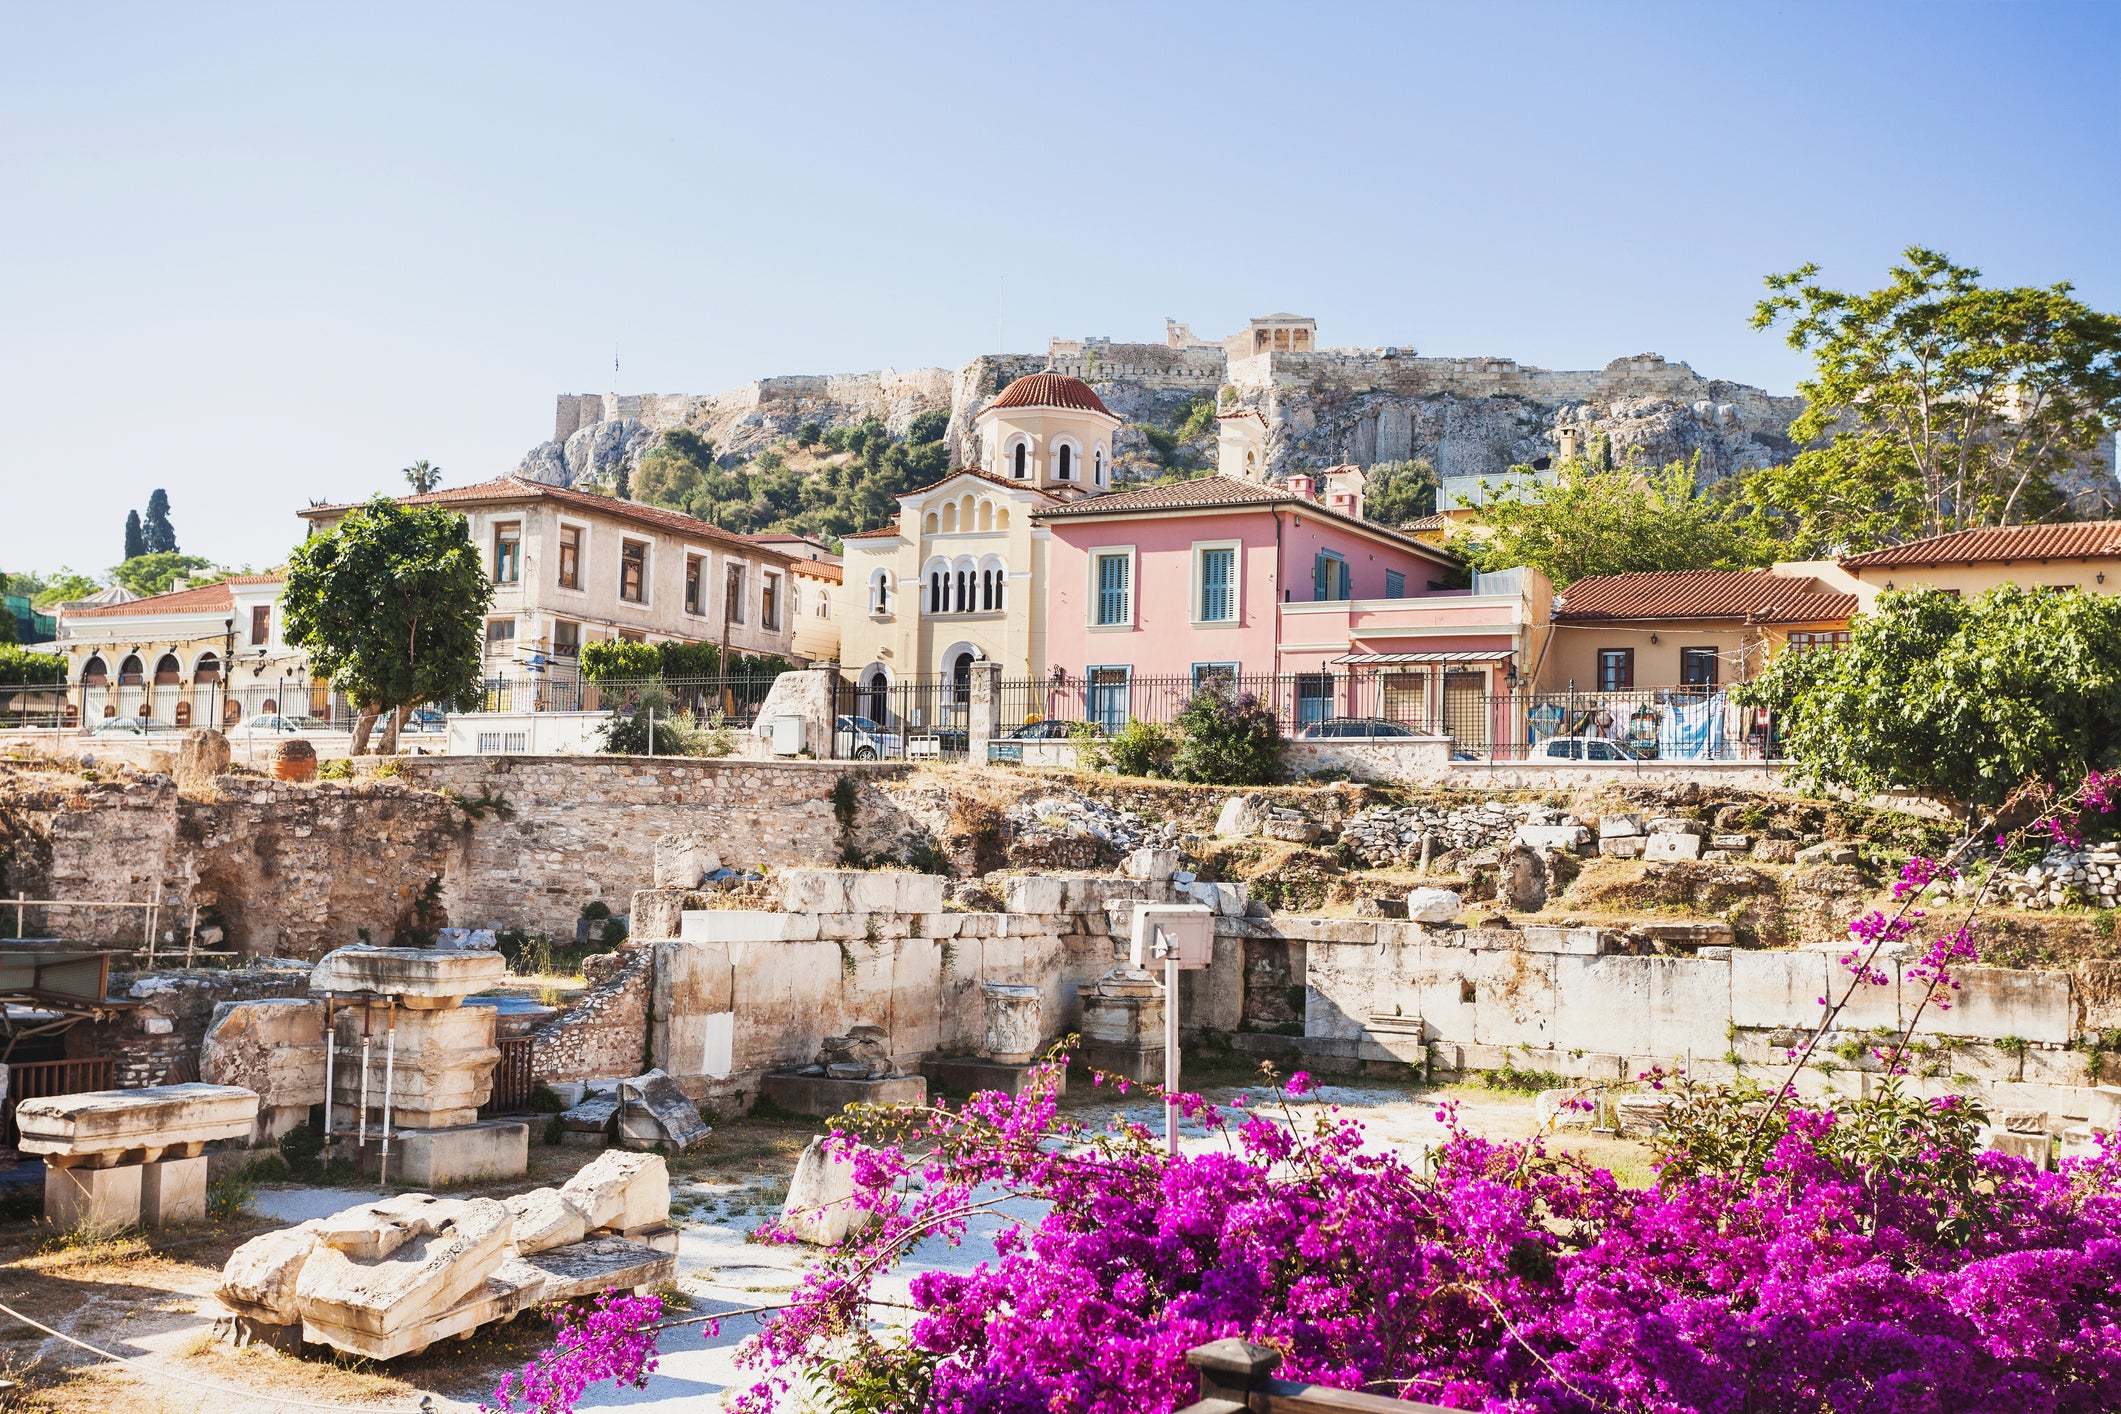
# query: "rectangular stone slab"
823, 1096
658, 1096
425, 1277
96, 1198
600, 1264
509, 1289
490, 1149
408, 972
104, 1121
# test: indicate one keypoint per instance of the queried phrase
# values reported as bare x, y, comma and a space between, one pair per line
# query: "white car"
863, 740
273, 724
1583, 748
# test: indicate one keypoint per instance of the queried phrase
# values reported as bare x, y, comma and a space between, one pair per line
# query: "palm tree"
423, 476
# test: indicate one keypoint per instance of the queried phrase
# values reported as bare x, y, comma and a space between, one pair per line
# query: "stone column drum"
1014, 1021
1123, 1025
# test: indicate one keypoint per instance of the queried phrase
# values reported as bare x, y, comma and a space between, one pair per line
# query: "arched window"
231, 712
1020, 461
183, 714
110, 709
1098, 466
1001, 518
986, 515
130, 672
208, 670
929, 524
1066, 471
93, 672
269, 706
950, 519
964, 602
938, 588
879, 695
168, 672
880, 592
961, 680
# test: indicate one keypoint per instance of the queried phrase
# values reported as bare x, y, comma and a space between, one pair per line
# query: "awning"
1465, 655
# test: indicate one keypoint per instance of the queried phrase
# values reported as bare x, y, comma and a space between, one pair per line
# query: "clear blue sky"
259, 254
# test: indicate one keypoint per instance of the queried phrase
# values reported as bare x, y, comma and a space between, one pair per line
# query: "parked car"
130, 726
427, 720
1335, 727
1583, 748
863, 740
267, 724
1052, 729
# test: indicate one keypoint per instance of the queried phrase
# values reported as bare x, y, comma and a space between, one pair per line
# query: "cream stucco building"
953, 581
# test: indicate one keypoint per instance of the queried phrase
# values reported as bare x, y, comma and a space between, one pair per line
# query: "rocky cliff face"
1470, 417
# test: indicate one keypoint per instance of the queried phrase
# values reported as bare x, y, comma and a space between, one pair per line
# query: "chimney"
1302, 487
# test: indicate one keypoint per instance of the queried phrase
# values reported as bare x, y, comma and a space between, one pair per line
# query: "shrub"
1227, 739
1141, 749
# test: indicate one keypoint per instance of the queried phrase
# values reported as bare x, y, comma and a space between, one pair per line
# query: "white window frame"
1097, 555
580, 588
494, 531
707, 583
1197, 556
1007, 470
618, 584
1054, 444
880, 578
777, 581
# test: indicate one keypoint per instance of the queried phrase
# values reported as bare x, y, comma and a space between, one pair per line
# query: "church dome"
1050, 390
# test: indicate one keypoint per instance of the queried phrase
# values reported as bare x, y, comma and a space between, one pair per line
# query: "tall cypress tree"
161, 535
135, 540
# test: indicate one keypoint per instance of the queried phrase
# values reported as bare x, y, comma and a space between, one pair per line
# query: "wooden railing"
512, 1080
34, 1080
1236, 1378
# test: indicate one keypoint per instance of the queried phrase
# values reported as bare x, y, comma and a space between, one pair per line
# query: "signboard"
1165, 933
1006, 751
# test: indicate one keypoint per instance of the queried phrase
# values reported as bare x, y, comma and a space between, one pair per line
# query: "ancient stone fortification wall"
295, 870
559, 831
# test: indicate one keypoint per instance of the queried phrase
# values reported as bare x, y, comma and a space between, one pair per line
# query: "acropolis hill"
1470, 417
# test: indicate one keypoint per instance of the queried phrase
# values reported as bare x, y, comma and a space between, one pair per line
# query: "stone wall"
158, 1041
560, 831
604, 1034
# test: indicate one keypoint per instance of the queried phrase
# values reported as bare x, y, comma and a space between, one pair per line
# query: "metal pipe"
390, 1072
331, 1055
361, 1140
1170, 1048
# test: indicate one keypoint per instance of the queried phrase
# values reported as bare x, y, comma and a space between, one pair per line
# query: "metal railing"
513, 1082
914, 719
737, 698
1693, 723
37, 1080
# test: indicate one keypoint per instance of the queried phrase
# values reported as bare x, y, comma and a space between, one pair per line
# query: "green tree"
59, 588
1945, 403
1591, 522
1397, 492
154, 573
1961, 699
390, 604
161, 536
135, 537
1227, 739
423, 476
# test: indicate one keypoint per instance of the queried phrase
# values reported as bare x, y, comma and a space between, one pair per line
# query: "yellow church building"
951, 583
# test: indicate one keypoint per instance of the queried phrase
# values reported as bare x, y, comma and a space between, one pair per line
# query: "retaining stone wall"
604, 1035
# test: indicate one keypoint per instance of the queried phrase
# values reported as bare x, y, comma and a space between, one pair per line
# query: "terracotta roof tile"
2078, 540
204, 599
1214, 492
1049, 390
818, 569
1756, 596
976, 473
877, 534
504, 489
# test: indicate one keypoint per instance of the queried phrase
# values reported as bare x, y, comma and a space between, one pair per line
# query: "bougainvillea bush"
1858, 1256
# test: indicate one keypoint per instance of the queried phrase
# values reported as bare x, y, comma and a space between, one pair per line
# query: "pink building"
1291, 594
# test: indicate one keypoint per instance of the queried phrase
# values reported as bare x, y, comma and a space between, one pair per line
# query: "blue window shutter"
1216, 602
1321, 569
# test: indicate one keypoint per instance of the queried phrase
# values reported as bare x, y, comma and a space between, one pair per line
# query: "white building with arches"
960, 576
205, 656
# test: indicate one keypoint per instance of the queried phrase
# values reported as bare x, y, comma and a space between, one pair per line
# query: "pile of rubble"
2089, 876
1382, 836
391, 1277
1060, 816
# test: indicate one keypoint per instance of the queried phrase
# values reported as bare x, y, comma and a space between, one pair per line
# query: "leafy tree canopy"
1397, 492
684, 473
160, 535
1960, 699
1945, 403
155, 572
390, 604
616, 660
1592, 522
23, 667
44, 590
1227, 738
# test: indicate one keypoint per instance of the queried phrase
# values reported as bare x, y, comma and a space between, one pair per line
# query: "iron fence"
914, 719
35, 705
37, 1080
737, 698
1674, 723
513, 1080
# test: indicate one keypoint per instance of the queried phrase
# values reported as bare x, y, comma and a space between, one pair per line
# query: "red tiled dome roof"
1050, 390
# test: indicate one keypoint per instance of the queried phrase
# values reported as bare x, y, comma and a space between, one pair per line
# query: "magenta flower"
1300, 1084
